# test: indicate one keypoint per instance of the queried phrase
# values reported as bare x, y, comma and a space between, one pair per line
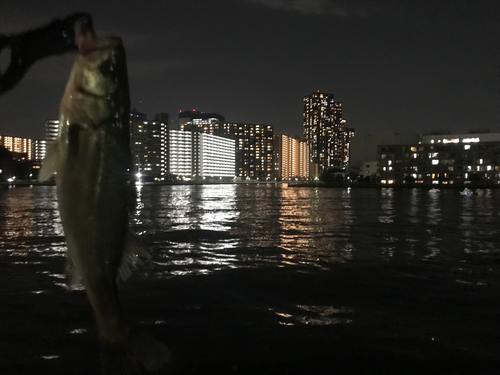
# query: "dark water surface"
265, 279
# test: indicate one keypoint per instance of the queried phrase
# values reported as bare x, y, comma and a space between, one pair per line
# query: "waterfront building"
304, 160
325, 133
209, 123
290, 158
180, 153
25, 148
198, 156
442, 160
349, 134
51, 131
254, 149
24, 157
148, 142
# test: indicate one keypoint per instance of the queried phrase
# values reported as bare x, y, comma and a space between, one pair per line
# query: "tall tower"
324, 133
148, 143
254, 149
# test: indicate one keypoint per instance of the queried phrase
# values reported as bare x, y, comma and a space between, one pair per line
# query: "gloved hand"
26, 48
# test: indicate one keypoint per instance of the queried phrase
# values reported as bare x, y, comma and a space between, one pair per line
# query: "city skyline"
425, 66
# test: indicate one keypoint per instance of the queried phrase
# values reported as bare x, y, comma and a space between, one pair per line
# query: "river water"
270, 279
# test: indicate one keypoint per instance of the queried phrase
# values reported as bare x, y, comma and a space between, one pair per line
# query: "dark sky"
397, 66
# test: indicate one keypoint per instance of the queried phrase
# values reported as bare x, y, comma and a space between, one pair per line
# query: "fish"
92, 165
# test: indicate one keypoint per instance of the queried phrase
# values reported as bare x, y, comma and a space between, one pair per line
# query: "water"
265, 279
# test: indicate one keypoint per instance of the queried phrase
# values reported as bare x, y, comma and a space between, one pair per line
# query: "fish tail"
139, 352
131, 257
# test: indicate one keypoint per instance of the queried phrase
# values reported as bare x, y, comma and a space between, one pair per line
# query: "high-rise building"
286, 157
195, 155
208, 123
148, 140
26, 148
325, 133
290, 158
254, 149
51, 131
349, 134
38, 149
25, 157
303, 160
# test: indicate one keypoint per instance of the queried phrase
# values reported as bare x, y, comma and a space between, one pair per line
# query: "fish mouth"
87, 40
86, 35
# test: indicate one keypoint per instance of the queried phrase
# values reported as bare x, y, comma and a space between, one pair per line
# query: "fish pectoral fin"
49, 163
131, 258
73, 277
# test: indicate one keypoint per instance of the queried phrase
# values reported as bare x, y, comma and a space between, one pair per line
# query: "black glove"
53, 39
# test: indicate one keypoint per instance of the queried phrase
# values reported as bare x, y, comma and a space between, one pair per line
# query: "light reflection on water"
30, 226
201, 229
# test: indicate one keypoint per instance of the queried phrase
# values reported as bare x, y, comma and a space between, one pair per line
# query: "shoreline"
291, 184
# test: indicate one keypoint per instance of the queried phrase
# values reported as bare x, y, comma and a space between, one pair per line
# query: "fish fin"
139, 352
131, 258
73, 277
49, 162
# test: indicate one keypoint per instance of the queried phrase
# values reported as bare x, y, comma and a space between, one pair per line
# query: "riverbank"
291, 184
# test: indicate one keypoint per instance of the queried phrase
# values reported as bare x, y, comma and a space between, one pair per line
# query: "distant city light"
470, 140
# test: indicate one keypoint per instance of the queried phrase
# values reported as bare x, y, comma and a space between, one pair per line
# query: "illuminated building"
442, 160
51, 131
195, 155
26, 148
254, 149
180, 153
25, 157
208, 123
325, 133
349, 134
303, 160
148, 143
290, 158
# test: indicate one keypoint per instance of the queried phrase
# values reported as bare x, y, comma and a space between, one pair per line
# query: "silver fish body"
91, 160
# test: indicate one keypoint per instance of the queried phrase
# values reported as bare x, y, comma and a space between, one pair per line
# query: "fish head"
97, 91
98, 62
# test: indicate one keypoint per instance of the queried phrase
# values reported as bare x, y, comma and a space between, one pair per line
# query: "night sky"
397, 66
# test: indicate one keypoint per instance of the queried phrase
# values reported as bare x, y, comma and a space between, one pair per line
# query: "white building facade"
195, 155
